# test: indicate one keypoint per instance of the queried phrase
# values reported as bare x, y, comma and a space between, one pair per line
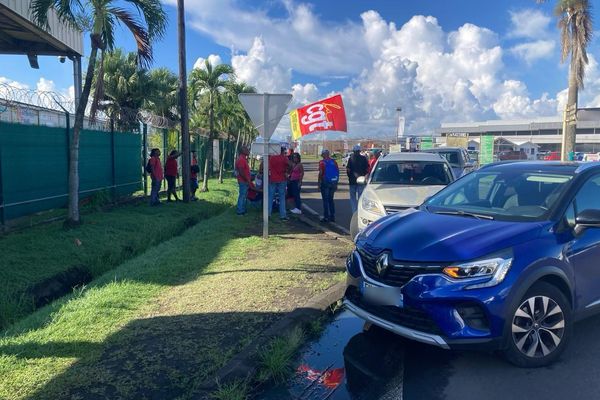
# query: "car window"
510, 195
588, 197
452, 157
411, 173
570, 215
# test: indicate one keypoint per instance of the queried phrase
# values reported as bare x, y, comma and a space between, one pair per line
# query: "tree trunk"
73, 217
208, 146
571, 116
183, 105
237, 145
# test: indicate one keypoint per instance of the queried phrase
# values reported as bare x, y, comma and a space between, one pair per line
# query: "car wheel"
540, 327
354, 226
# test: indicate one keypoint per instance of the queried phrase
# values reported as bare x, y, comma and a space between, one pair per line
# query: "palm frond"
154, 15
140, 34
65, 9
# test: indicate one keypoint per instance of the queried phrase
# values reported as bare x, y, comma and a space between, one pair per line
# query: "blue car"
505, 258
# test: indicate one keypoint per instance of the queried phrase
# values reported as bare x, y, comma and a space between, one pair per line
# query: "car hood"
421, 236
401, 195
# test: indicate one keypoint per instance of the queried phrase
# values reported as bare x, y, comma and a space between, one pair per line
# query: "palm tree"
575, 24
209, 81
125, 88
162, 95
145, 19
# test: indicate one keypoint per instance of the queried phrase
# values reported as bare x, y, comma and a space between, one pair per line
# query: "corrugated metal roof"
21, 35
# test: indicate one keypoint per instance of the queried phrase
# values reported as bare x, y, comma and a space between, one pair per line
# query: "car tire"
537, 338
354, 226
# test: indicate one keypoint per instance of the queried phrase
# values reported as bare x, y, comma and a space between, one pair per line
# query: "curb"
243, 365
316, 214
324, 228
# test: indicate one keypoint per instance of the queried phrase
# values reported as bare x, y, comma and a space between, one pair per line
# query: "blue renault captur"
507, 258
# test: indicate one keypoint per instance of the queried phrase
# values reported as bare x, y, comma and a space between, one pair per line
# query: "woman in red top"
156, 173
171, 174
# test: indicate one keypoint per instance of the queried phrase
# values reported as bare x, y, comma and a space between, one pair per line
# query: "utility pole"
183, 105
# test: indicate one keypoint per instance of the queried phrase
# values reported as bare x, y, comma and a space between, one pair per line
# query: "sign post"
265, 110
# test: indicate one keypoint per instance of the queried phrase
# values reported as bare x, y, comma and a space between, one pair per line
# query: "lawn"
166, 320
105, 240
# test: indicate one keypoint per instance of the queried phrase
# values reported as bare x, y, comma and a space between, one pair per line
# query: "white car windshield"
411, 173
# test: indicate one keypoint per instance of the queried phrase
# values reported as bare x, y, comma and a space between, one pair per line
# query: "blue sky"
441, 60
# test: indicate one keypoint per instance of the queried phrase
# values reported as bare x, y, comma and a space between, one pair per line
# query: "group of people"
170, 173
286, 173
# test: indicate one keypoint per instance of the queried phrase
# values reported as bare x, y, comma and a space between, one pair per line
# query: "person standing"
296, 177
171, 173
155, 169
373, 159
357, 166
278, 167
194, 171
329, 175
242, 171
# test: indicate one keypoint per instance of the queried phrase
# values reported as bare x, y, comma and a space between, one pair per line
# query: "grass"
276, 359
236, 390
166, 320
105, 240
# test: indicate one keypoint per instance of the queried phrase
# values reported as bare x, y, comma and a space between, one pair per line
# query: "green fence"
34, 166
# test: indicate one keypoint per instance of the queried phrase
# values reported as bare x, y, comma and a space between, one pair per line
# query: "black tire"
354, 226
532, 342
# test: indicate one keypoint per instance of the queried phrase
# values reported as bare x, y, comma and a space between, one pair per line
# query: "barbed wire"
15, 96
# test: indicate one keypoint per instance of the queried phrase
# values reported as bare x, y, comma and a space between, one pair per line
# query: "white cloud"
533, 51
45, 85
213, 59
529, 24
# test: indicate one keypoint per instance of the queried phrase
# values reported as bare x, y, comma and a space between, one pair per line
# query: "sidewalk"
214, 290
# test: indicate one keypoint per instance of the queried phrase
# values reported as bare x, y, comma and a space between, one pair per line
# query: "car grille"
408, 317
394, 209
398, 274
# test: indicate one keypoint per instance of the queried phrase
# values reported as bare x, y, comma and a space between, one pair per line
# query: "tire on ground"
512, 352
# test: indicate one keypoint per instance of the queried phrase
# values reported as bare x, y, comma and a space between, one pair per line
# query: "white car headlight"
495, 268
371, 205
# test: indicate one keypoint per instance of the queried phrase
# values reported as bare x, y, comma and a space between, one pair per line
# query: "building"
314, 147
532, 135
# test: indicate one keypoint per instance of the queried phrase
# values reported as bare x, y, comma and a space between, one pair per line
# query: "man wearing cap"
357, 166
329, 174
278, 168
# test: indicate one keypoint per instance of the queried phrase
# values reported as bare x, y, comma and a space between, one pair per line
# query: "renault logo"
382, 264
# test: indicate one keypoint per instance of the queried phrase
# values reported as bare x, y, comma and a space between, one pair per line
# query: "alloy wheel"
538, 326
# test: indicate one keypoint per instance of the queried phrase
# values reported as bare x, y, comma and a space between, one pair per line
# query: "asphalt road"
311, 195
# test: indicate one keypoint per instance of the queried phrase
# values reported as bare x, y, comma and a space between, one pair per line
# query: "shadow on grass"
161, 357
154, 358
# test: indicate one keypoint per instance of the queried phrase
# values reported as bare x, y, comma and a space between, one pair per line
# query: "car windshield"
411, 173
507, 195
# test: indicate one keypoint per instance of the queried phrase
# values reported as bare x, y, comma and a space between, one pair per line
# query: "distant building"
532, 135
314, 147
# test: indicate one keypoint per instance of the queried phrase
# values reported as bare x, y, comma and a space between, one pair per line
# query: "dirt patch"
59, 285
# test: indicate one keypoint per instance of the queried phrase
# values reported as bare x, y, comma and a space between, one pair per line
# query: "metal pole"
266, 202
164, 154
145, 156
112, 159
77, 78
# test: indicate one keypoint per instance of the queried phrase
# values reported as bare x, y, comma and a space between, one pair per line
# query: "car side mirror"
589, 218
361, 180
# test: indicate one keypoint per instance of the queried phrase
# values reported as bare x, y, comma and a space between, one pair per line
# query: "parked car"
457, 157
512, 155
553, 156
399, 181
504, 258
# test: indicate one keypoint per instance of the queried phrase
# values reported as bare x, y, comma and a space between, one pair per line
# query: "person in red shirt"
278, 168
242, 171
156, 174
374, 159
171, 173
195, 169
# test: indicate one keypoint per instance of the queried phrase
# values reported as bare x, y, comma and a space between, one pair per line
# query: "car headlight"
370, 205
495, 268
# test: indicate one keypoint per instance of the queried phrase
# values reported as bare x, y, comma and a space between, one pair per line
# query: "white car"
399, 181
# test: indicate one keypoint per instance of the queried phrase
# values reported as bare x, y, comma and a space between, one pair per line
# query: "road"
312, 197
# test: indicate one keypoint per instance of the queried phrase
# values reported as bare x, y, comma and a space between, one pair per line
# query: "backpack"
149, 167
332, 173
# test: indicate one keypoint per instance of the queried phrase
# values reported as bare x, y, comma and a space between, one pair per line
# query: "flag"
323, 115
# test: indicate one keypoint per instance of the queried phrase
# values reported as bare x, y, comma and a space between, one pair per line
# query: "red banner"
323, 115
